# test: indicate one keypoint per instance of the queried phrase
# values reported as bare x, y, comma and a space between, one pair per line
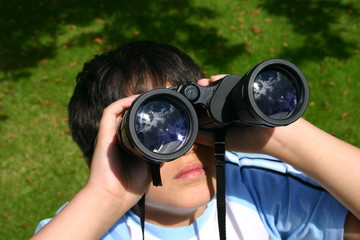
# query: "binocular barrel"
162, 124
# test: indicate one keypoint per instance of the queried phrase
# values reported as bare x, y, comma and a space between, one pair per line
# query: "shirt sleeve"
291, 205
42, 223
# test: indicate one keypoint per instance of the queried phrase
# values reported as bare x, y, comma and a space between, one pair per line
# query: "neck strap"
156, 181
219, 145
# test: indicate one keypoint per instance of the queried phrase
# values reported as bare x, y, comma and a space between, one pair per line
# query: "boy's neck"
171, 218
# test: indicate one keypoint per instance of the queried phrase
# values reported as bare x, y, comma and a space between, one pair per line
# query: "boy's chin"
186, 200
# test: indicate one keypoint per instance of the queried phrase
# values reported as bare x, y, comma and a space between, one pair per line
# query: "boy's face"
188, 183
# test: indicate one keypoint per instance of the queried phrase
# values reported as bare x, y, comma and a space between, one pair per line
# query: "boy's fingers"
117, 107
111, 115
217, 77
208, 81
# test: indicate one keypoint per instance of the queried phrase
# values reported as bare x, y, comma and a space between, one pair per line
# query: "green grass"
47, 42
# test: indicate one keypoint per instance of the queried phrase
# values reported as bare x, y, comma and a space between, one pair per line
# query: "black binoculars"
162, 124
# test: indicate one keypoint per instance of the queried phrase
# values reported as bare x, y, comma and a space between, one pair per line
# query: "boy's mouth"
190, 171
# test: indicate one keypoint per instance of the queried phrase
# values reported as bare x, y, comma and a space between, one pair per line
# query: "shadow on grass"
314, 20
30, 31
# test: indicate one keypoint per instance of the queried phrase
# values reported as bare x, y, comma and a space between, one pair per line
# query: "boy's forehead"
139, 87
168, 84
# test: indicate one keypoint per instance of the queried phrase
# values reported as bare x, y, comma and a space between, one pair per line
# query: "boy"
265, 198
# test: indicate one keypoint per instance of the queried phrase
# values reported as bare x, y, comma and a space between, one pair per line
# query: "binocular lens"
275, 94
161, 126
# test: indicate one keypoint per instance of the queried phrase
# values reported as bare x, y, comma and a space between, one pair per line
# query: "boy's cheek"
205, 138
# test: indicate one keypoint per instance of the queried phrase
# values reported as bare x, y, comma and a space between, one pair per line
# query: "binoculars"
162, 124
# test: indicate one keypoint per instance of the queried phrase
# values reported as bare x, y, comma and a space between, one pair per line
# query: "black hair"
131, 69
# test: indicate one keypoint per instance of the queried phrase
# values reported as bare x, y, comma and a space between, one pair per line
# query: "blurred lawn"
44, 44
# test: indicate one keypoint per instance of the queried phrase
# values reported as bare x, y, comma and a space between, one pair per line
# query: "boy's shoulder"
285, 198
261, 164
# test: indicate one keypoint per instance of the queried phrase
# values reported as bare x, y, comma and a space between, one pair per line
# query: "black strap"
141, 207
156, 181
155, 174
219, 145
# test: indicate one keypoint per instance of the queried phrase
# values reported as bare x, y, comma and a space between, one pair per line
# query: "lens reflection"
275, 94
161, 126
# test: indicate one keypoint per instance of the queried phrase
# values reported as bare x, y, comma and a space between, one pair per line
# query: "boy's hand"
333, 163
115, 185
238, 138
123, 177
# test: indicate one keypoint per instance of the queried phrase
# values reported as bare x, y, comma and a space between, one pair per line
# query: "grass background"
43, 45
